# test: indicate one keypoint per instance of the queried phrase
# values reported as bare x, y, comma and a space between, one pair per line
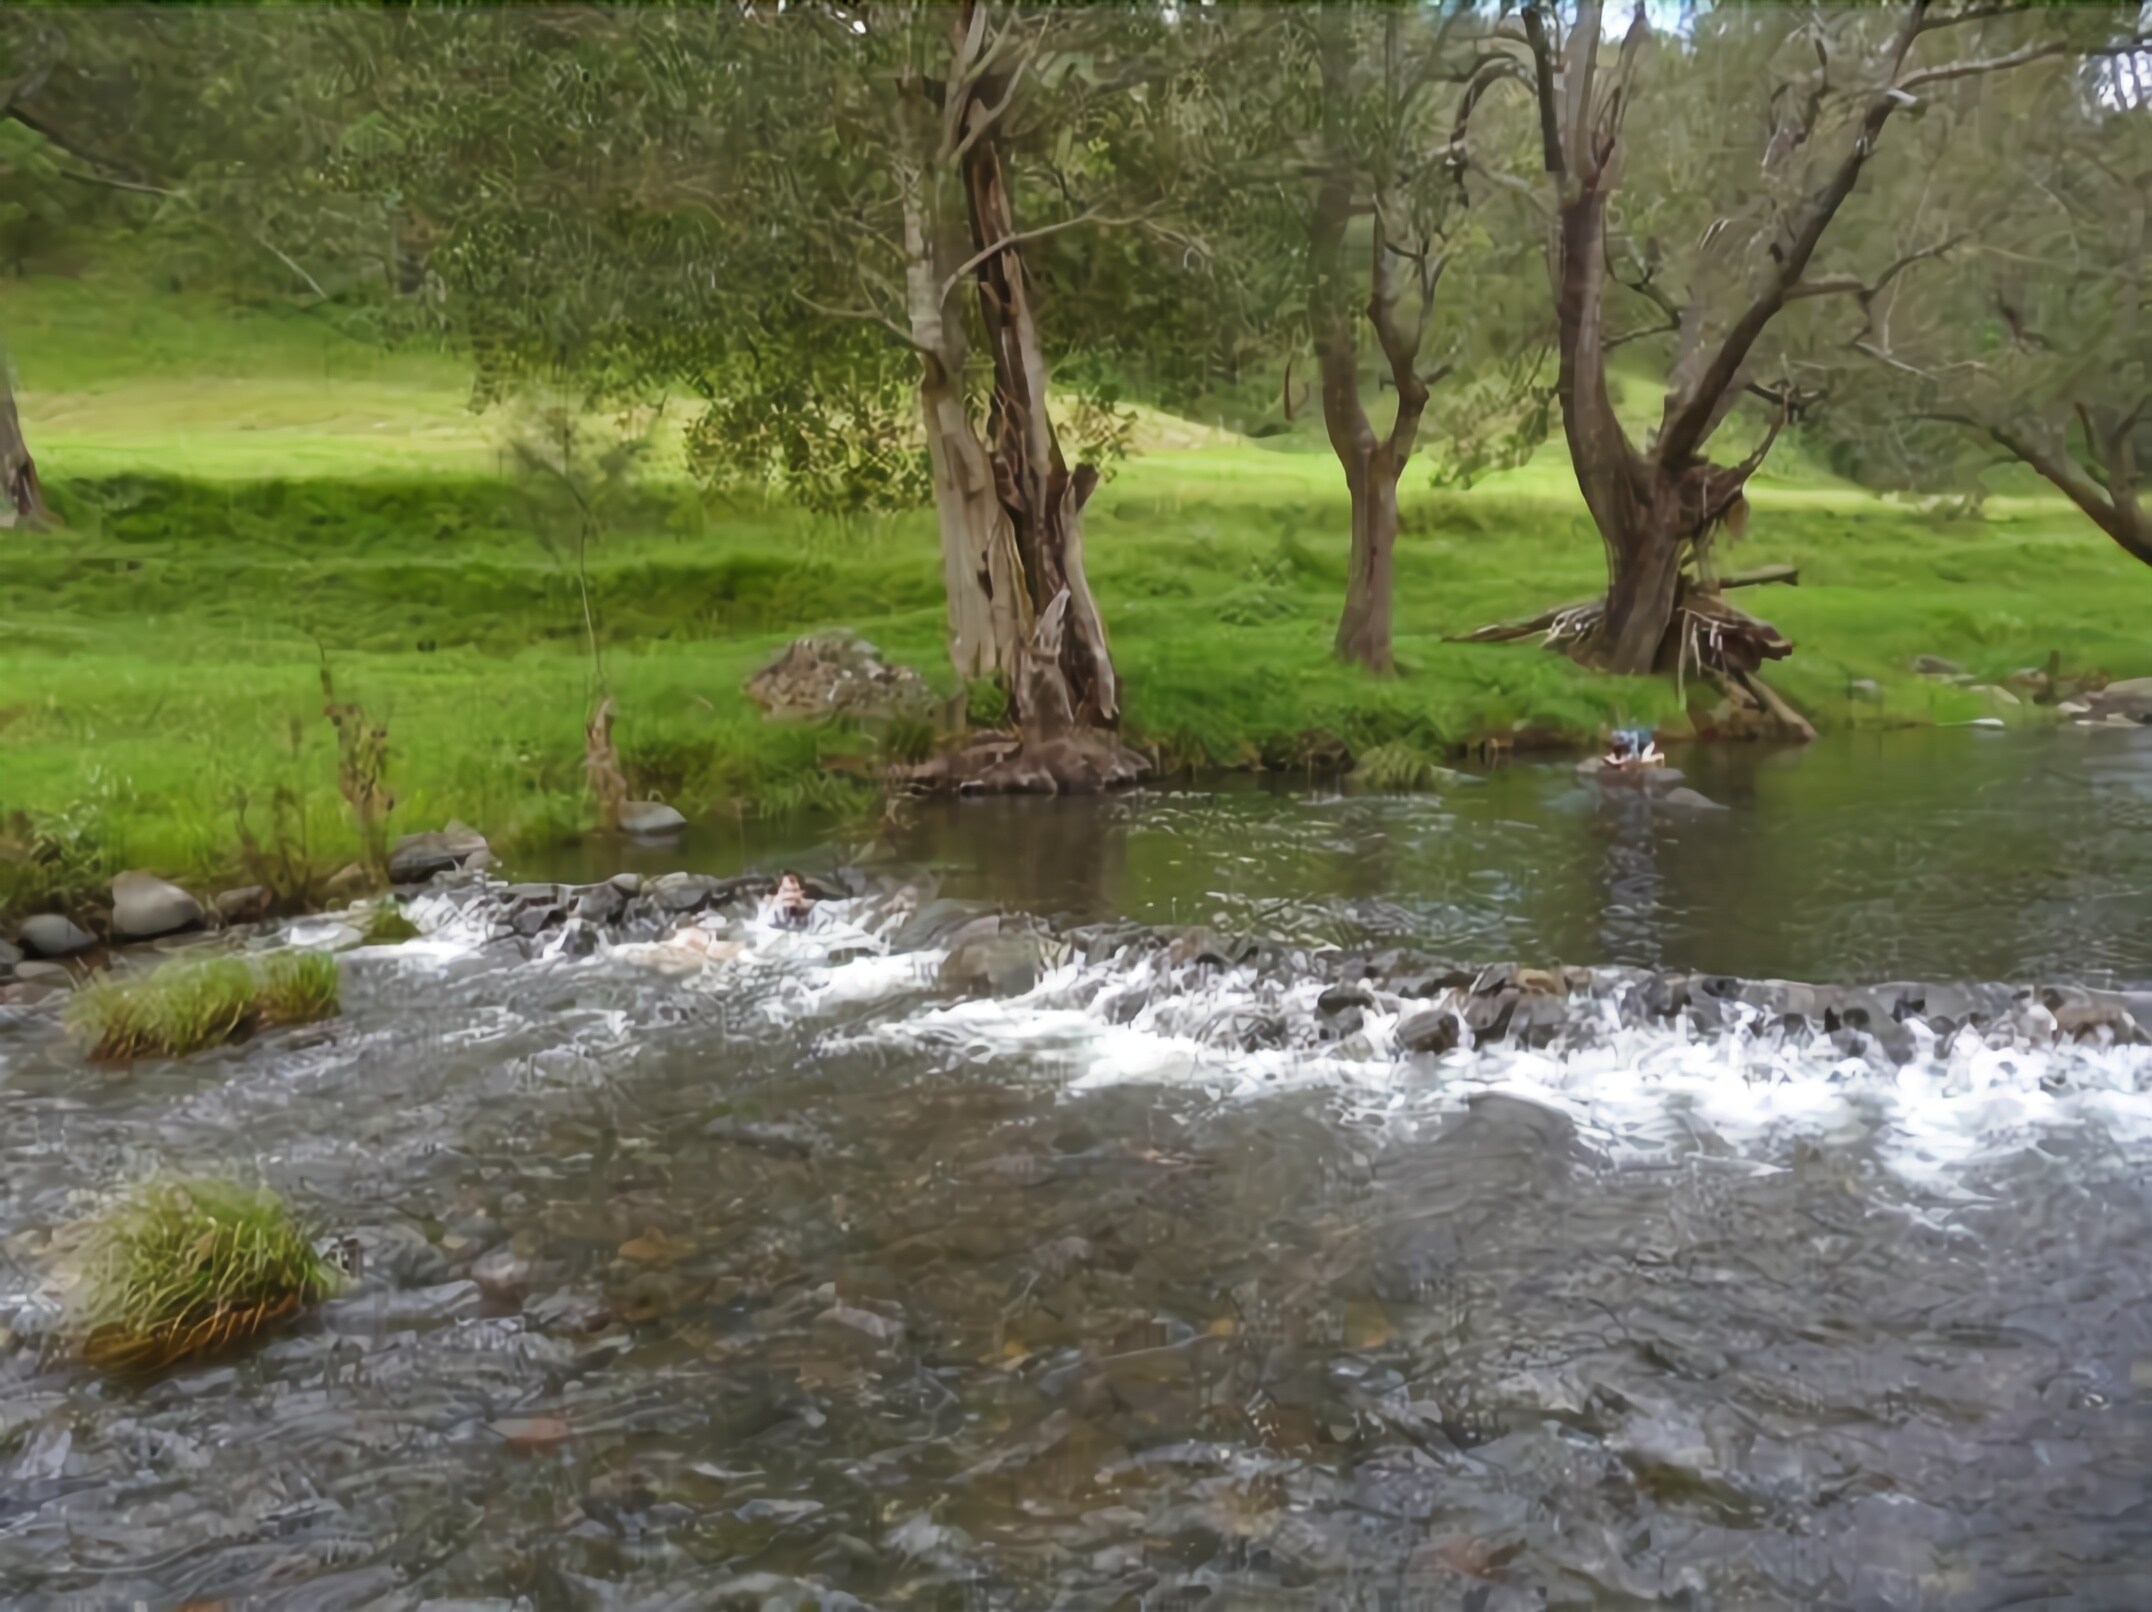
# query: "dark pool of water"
811, 1285
1943, 854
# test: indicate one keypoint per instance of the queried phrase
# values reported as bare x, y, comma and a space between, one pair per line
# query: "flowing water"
805, 1277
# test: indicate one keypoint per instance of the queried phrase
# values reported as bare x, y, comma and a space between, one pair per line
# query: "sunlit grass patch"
187, 1006
181, 1269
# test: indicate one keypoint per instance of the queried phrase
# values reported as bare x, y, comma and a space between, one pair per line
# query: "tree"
1841, 78
629, 198
2024, 339
1342, 204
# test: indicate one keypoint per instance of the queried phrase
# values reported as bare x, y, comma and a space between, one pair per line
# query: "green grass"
245, 494
186, 1006
180, 1269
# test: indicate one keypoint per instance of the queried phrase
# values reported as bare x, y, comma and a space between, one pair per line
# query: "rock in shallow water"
418, 857
650, 819
145, 906
245, 905
50, 935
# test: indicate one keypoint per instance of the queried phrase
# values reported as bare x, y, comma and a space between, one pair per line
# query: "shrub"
299, 987
181, 1269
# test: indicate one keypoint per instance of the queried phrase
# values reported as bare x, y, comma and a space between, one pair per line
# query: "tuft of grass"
172, 1011
1395, 767
385, 926
182, 1269
300, 987
186, 1006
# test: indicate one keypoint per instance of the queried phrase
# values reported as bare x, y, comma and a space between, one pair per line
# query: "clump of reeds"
181, 1269
185, 1006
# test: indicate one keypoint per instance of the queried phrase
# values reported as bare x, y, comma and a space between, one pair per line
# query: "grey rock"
42, 974
502, 1275
989, 957
324, 935
626, 883
2130, 699
681, 892
536, 917
9, 955
419, 857
649, 819
246, 905
50, 935
145, 906
1690, 800
578, 938
1866, 688
601, 903
1338, 998
1936, 666
1431, 1030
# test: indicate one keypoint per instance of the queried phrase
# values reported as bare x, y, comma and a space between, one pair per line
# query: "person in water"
790, 905
1634, 747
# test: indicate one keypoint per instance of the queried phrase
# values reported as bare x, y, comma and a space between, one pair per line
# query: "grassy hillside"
245, 494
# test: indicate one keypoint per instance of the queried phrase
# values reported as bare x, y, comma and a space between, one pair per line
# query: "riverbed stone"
1431, 1030
418, 857
650, 819
10, 955
601, 903
992, 957
145, 906
1936, 666
2130, 700
246, 905
680, 892
50, 935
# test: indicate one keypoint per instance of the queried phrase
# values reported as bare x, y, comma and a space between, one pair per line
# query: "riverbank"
246, 500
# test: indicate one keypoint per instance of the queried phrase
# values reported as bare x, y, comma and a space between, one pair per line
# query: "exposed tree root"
1001, 764
1706, 637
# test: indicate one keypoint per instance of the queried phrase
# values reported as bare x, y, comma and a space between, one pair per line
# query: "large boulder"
2131, 698
145, 906
418, 857
837, 673
650, 819
995, 956
50, 935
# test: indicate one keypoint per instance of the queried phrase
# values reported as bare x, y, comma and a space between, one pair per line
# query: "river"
1169, 1276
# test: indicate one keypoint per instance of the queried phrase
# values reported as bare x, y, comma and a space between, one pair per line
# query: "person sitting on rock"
790, 905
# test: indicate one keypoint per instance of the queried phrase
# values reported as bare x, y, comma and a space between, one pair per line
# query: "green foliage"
183, 1269
186, 1006
182, 1007
1396, 767
300, 987
387, 926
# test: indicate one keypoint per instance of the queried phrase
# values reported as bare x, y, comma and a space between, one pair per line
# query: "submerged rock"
419, 857
50, 935
992, 956
145, 906
2130, 700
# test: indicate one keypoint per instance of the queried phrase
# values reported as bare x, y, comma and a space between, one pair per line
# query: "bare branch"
1691, 414
272, 249
1550, 138
1023, 236
868, 315
2016, 8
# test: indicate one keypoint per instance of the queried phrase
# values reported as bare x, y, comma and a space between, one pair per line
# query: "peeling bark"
22, 501
1039, 496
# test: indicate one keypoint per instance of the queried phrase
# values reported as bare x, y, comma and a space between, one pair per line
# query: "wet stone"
601, 903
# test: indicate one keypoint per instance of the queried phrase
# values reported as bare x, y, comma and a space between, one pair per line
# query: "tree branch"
867, 315
1024, 236
1690, 415
1550, 136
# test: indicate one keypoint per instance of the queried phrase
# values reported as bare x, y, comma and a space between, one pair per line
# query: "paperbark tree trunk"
22, 501
1066, 682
